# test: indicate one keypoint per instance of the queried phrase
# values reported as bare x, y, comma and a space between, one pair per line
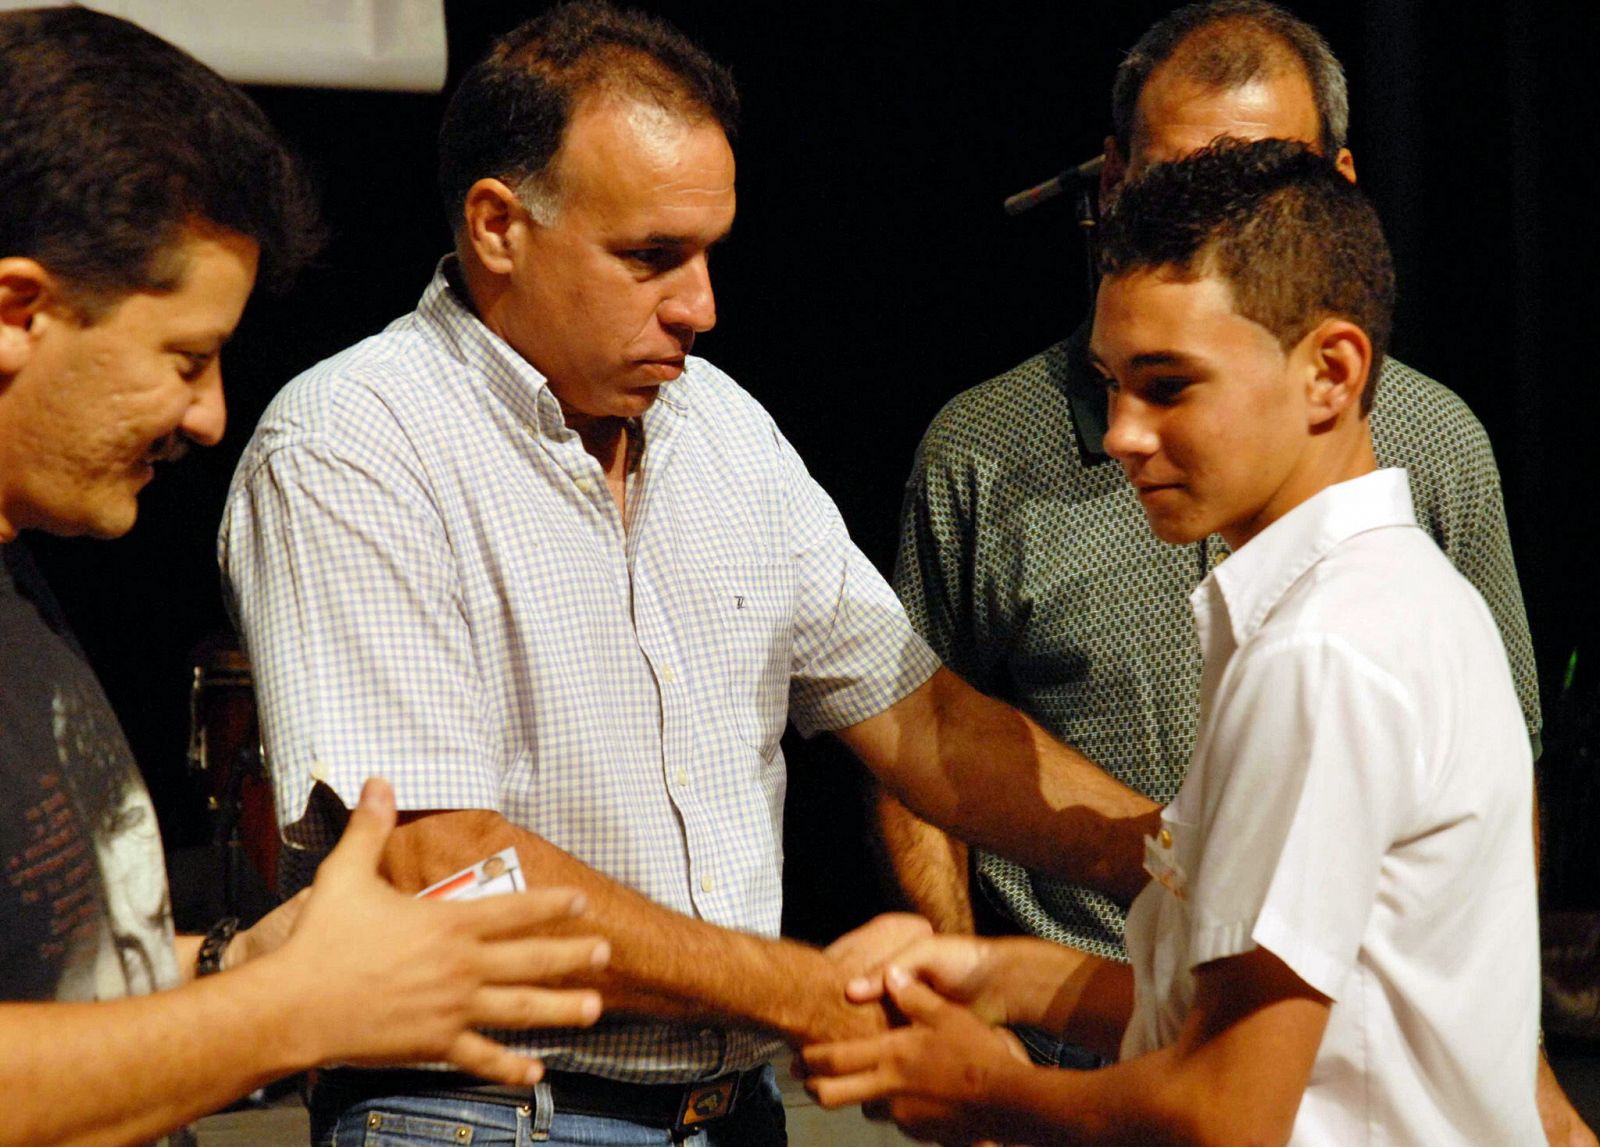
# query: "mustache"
169, 449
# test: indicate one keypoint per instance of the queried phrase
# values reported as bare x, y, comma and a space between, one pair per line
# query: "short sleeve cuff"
1320, 971
837, 703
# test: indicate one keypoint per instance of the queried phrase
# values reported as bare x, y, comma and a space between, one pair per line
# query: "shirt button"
319, 772
705, 884
586, 485
668, 675
682, 777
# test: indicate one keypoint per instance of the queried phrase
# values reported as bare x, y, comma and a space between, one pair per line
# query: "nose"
690, 303
207, 416
1130, 427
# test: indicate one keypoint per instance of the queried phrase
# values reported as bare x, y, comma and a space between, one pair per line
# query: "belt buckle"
708, 1101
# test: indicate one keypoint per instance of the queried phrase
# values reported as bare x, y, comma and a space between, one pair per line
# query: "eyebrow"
1161, 358
663, 239
211, 340
1147, 359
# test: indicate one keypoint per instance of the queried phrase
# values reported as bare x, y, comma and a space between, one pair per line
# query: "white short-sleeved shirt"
1350, 808
434, 584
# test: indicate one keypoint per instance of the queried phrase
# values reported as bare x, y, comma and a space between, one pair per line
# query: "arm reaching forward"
988, 774
1235, 1074
663, 963
929, 866
367, 975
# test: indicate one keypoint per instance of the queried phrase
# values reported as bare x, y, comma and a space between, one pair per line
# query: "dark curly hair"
113, 142
1295, 240
507, 118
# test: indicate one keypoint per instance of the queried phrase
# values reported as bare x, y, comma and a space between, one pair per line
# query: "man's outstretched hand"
380, 977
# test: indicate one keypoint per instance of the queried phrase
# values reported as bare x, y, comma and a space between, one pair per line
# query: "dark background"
872, 275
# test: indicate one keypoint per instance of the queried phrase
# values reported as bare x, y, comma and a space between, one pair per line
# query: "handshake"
944, 1065
920, 1036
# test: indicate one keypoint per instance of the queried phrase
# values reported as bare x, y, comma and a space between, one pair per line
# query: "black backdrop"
871, 275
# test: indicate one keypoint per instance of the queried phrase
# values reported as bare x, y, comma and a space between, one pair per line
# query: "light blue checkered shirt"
434, 584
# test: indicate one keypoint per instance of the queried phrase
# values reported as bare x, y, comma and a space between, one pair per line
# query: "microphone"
1085, 176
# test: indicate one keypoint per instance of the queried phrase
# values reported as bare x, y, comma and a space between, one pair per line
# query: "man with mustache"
143, 195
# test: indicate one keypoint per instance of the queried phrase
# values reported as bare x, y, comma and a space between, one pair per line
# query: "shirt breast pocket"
753, 605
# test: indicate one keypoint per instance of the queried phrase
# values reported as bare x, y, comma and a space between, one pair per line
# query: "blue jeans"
426, 1121
1048, 1050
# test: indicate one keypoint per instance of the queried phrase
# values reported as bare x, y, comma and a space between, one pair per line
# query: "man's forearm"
929, 866
986, 773
663, 963
1084, 999
127, 1071
1234, 1074
1563, 1126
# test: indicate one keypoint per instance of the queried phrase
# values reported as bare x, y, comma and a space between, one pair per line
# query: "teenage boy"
1338, 943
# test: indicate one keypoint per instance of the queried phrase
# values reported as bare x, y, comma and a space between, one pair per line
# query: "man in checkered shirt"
564, 584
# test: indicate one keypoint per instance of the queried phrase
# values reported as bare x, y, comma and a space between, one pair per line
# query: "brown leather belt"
675, 1106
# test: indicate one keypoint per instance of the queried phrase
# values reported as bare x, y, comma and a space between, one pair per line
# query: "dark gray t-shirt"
84, 910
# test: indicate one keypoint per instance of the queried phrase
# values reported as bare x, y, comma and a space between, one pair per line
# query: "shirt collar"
1255, 578
1086, 394
447, 315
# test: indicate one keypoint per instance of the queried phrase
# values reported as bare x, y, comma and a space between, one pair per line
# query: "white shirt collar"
517, 381
1255, 578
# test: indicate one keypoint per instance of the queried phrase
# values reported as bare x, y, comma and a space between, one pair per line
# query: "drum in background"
225, 755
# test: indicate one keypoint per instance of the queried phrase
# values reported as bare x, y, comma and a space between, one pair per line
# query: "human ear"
1346, 163
26, 289
1340, 359
490, 217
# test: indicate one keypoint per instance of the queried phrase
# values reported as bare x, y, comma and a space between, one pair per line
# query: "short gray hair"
1225, 44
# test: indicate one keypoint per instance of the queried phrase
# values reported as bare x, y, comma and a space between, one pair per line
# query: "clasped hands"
944, 1058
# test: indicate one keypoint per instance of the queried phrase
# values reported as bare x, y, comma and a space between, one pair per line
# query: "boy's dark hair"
112, 142
510, 113
1225, 44
1294, 239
